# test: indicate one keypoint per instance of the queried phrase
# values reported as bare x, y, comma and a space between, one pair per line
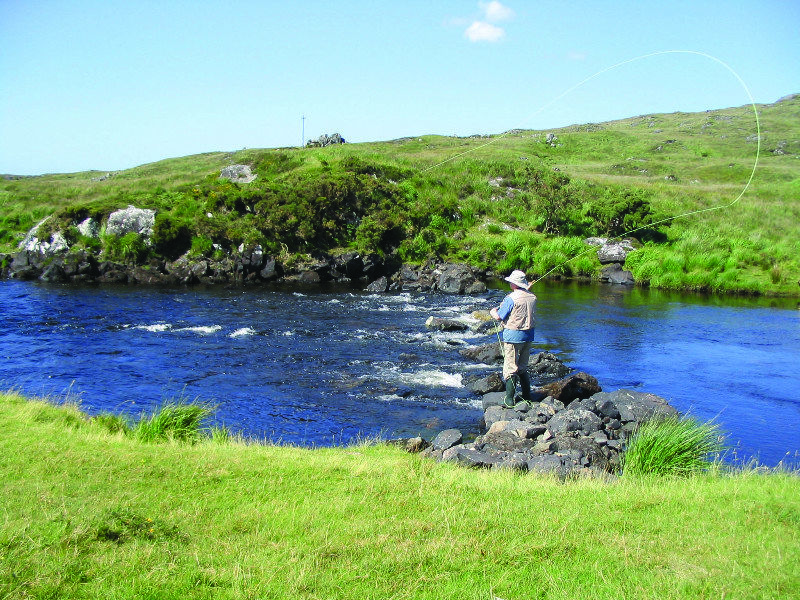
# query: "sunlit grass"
87, 513
672, 446
745, 244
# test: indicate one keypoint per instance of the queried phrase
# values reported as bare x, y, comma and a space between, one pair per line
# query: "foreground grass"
86, 514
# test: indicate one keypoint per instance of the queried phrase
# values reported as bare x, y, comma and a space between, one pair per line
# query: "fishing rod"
499, 327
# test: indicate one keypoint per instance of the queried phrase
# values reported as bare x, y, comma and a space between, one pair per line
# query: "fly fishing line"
598, 74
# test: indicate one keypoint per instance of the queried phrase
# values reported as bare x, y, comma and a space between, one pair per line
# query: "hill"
522, 199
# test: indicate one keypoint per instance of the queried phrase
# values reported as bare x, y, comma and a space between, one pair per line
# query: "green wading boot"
525, 384
511, 389
525, 388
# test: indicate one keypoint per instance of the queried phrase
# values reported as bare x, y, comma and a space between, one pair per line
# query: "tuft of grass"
112, 423
672, 446
178, 421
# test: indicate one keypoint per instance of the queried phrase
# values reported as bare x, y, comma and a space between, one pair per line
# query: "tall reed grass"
673, 446
174, 420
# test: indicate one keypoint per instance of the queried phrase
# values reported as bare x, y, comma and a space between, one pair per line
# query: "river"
323, 366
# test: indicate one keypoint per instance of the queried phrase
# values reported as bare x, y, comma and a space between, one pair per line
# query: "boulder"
252, 257
80, 264
546, 463
188, 270
584, 450
505, 441
131, 220
635, 406
577, 385
541, 412
471, 458
237, 173
54, 273
89, 228
485, 385
487, 353
349, 265
546, 365
490, 327
570, 420
514, 461
455, 278
611, 253
325, 140
447, 439
520, 429
380, 285
614, 273
374, 267
55, 244
495, 413
441, 324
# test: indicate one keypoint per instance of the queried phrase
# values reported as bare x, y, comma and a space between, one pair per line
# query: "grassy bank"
89, 514
508, 201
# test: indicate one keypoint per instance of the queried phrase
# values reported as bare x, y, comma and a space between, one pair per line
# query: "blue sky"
109, 85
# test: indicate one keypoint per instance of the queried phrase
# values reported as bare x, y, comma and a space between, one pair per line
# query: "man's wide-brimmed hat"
519, 279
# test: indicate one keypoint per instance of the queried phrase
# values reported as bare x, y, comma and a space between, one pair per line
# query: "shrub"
619, 211
672, 446
171, 236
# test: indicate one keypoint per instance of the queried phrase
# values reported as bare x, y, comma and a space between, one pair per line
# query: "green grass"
673, 446
181, 421
90, 514
430, 199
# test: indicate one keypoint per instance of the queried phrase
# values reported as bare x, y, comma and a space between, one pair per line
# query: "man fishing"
518, 314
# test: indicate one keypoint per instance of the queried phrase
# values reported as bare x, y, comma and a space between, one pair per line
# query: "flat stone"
546, 463
447, 439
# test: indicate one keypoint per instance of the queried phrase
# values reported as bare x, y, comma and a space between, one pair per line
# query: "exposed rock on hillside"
237, 174
325, 140
131, 220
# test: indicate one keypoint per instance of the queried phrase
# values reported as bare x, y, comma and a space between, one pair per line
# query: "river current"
323, 366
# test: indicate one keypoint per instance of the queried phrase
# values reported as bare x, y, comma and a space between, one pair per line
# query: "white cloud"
484, 32
495, 11
574, 55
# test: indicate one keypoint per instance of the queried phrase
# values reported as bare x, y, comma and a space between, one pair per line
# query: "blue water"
322, 367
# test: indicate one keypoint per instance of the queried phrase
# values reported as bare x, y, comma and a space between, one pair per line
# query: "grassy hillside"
89, 514
508, 201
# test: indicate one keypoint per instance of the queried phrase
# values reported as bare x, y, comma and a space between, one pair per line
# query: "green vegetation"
672, 446
516, 202
92, 514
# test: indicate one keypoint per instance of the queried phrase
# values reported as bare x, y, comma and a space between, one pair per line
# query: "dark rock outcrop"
576, 386
614, 273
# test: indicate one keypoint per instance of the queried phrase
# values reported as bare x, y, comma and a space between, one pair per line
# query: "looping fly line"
606, 70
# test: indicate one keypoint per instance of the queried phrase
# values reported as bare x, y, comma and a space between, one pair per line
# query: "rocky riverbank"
75, 254
570, 426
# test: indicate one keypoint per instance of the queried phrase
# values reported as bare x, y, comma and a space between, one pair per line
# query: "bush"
672, 446
171, 236
619, 211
